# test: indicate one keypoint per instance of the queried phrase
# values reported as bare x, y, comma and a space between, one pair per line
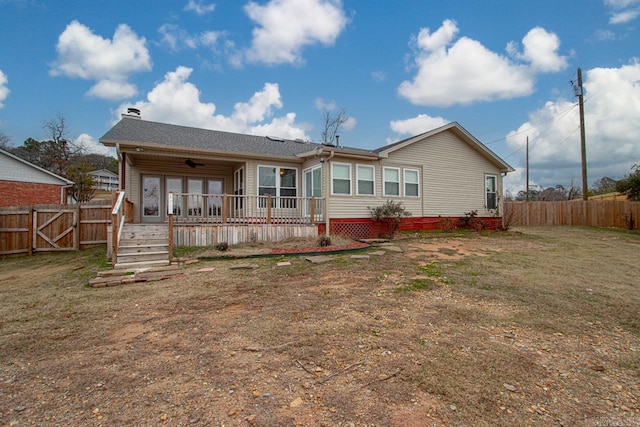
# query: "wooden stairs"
143, 246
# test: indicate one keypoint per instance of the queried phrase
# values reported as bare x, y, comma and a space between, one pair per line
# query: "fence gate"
55, 230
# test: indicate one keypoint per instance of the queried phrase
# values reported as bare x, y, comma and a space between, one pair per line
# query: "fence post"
78, 229
312, 211
30, 237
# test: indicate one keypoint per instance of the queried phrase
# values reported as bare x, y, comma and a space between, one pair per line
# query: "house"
23, 184
105, 180
198, 178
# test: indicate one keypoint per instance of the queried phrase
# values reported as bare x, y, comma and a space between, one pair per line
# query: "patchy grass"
533, 327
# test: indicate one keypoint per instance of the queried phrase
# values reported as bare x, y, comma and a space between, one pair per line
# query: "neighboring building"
221, 177
24, 184
105, 180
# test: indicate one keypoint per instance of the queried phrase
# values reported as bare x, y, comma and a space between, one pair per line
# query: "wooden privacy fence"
591, 213
45, 228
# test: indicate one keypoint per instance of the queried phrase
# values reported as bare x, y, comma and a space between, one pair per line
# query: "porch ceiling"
178, 160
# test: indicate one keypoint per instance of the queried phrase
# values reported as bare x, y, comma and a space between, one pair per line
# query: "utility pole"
527, 156
579, 91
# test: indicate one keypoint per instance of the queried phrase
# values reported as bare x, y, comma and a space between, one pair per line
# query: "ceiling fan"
193, 164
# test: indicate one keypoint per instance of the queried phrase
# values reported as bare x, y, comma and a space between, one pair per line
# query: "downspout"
63, 193
122, 181
327, 226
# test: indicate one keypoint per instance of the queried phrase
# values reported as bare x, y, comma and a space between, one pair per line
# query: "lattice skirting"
359, 230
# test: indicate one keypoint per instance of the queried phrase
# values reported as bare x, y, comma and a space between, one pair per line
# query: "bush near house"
390, 215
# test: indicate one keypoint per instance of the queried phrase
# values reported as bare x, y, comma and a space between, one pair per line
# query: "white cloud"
199, 7
113, 90
176, 100
286, 27
417, 125
540, 49
623, 11
612, 118
82, 54
4, 88
90, 146
463, 71
323, 105
624, 16
178, 38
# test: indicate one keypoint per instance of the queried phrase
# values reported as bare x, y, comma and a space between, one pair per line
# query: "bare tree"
331, 122
4, 141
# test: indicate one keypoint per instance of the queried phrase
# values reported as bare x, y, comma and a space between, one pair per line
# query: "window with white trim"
278, 182
340, 178
491, 191
391, 181
411, 183
365, 176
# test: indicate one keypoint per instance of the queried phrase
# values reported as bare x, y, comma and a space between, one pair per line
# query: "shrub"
390, 215
324, 241
222, 246
471, 220
447, 225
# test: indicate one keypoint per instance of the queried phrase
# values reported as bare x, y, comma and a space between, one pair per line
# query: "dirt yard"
540, 326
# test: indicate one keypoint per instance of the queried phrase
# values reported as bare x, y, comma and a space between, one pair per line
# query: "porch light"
281, 171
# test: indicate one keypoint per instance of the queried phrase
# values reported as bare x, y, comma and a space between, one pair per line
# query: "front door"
151, 203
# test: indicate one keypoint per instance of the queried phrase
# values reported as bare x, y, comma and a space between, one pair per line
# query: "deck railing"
234, 209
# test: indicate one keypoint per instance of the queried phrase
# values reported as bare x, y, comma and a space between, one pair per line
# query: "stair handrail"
117, 224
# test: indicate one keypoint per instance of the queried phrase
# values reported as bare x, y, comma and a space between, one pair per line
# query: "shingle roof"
135, 131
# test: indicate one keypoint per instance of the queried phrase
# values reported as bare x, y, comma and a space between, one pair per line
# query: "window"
391, 181
288, 188
278, 182
492, 195
340, 178
238, 187
365, 177
174, 185
215, 189
194, 201
411, 183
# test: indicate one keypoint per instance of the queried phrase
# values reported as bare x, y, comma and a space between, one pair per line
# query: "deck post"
312, 210
171, 235
225, 205
170, 202
268, 208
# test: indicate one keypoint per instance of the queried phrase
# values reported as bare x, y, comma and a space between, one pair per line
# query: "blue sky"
502, 69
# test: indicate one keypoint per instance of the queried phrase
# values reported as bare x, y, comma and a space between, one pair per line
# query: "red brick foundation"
366, 228
15, 193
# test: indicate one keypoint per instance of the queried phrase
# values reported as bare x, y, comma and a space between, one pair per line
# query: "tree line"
58, 154
629, 186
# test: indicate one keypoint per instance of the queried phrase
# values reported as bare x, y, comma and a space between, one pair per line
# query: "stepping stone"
377, 253
374, 241
283, 264
320, 259
243, 267
393, 249
206, 270
359, 256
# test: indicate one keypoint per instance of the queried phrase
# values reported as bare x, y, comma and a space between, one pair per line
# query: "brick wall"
14, 193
